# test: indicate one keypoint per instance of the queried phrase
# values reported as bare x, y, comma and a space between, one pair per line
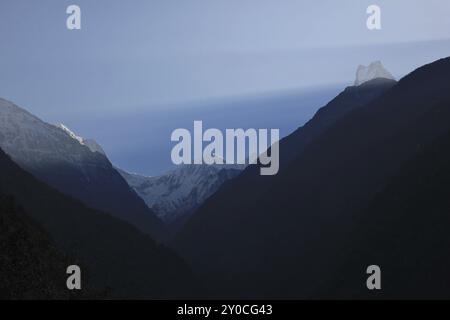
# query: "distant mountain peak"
174, 195
373, 71
91, 144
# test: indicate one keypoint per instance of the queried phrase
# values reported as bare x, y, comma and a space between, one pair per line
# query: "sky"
155, 55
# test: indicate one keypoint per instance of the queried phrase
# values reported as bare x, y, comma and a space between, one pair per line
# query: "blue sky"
150, 55
147, 52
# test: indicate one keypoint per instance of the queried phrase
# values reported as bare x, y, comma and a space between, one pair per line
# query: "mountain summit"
370, 72
90, 143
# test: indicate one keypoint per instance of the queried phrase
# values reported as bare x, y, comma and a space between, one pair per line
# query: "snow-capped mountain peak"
176, 194
71, 133
91, 144
370, 72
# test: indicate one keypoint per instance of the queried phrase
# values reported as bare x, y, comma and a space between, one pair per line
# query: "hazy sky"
150, 56
141, 53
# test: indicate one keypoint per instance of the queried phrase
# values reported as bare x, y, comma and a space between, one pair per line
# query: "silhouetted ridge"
119, 258
284, 236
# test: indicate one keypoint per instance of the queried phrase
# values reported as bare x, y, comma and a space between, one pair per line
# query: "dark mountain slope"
350, 99
30, 266
292, 146
287, 241
104, 189
406, 231
116, 254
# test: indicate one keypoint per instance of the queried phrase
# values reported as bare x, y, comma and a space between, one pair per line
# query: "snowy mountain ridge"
75, 166
31, 142
176, 194
90, 143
